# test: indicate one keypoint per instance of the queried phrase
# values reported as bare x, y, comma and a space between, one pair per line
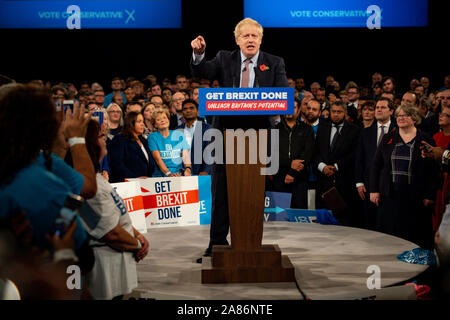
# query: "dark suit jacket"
365, 152
173, 121
295, 143
226, 68
198, 133
127, 159
430, 125
343, 154
425, 173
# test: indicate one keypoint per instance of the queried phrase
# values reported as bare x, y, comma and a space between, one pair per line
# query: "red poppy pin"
390, 141
263, 67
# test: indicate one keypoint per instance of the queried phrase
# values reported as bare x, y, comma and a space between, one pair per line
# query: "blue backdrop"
332, 13
95, 14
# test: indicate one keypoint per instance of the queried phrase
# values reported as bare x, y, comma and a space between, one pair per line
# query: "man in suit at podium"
245, 67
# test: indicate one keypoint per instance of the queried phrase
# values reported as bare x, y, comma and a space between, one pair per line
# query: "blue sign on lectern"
246, 101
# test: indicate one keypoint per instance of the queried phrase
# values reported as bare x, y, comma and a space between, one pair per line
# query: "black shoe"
206, 254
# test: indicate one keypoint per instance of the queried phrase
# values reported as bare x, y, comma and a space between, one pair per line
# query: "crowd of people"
374, 144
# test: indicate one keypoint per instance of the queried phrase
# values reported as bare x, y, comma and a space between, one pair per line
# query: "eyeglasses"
402, 116
114, 111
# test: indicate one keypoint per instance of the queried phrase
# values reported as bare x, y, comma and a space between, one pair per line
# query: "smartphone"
98, 115
58, 105
68, 104
67, 214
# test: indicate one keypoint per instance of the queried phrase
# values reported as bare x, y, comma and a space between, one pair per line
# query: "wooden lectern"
246, 260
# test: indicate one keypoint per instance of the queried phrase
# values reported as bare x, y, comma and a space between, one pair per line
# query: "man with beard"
334, 160
296, 146
193, 130
312, 118
312, 114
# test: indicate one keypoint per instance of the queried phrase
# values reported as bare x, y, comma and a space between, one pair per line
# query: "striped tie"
245, 74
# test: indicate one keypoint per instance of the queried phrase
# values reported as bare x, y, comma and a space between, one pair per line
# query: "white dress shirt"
386, 128
333, 132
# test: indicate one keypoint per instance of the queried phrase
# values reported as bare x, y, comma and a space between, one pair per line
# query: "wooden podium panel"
246, 260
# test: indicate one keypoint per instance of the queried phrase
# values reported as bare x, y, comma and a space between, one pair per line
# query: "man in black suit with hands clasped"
334, 161
369, 140
245, 67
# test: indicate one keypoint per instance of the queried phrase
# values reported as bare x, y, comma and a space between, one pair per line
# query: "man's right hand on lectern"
198, 45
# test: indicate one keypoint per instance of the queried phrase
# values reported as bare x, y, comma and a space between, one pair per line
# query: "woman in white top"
116, 243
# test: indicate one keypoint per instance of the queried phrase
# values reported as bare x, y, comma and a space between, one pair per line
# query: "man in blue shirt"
116, 86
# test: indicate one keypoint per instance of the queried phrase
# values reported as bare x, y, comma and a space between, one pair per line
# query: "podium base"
262, 265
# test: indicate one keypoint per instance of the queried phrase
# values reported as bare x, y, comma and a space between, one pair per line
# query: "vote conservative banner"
175, 201
93, 14
246, 101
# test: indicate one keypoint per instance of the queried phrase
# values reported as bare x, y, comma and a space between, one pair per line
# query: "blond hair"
412, 111
110, 106
156, 113
247, 22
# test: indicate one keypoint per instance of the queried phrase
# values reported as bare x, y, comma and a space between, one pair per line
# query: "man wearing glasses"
99, 96
353, 97
177, 108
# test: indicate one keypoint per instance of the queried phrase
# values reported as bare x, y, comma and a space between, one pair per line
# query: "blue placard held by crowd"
246, 101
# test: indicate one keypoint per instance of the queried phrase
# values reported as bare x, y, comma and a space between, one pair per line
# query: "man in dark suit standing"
244, 67
335, 162
369, 140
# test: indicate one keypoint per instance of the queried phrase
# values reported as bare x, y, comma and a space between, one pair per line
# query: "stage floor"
330, 261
